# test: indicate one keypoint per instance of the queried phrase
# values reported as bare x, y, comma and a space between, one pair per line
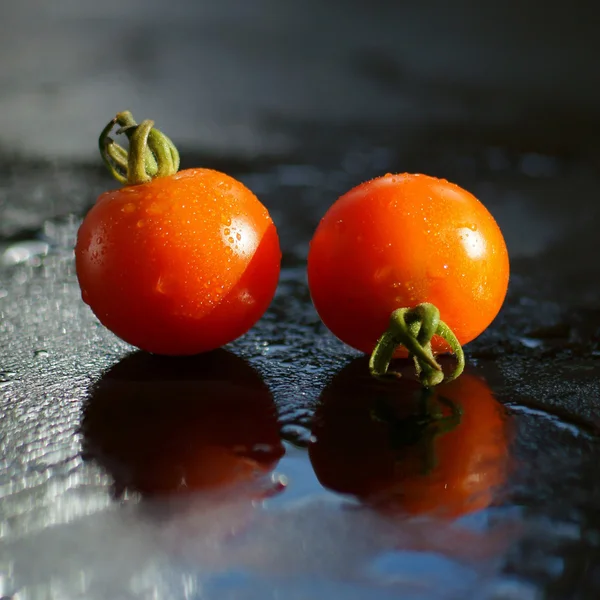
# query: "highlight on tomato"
164, 425
175, 262
408, 265
407, 450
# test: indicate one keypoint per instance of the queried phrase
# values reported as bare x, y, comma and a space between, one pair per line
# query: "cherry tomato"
399, 241
161, 425
402, 449
181, 264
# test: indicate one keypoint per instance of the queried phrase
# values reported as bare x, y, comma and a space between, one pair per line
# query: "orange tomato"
401, 240
399, 453
162, 425
181, 264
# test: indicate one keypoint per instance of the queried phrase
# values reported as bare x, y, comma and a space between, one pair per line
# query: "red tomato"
401, 240
163, 425
383, 444
181, 264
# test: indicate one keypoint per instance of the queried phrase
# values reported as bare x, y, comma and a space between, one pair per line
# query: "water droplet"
161, 285
40, 352
6, 378
154, 209
226, 231
238, 236
280, 482
140, 223
128, 208
230, 240
85, 296
23, 251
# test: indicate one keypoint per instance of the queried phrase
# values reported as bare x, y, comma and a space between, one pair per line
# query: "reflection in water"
161, 425
400, 448
206, 423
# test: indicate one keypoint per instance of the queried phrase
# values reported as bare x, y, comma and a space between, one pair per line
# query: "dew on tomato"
180, 263
399, 241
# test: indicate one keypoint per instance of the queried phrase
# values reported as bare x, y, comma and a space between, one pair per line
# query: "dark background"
302, 101
229, 77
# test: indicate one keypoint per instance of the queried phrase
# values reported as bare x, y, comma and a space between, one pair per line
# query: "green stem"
165, 151
414, 328
428, 371
151, 153
448, 335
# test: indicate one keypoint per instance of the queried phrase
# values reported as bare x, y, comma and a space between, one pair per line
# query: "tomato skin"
383, 462
162, 425
400, 240
181, 265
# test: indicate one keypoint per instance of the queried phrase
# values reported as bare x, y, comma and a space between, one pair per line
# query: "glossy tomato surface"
181, 265
384, 444
400, 240
164, 425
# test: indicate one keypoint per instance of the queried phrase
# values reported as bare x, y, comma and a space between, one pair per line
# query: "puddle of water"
385, 491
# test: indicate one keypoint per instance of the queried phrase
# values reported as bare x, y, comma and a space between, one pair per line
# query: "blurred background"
509, 91
301, 101
231, 77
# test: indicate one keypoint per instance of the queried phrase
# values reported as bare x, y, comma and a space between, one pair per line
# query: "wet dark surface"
94, 436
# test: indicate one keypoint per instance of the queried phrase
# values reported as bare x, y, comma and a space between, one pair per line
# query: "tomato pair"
180, 263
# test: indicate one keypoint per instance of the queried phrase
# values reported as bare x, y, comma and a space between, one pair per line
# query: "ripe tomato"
162, 425
399, 241
400, 453
181, 264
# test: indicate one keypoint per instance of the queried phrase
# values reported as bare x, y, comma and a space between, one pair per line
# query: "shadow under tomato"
161, 425
402, 449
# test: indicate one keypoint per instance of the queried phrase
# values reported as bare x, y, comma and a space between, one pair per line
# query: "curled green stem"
414, 328
151, 153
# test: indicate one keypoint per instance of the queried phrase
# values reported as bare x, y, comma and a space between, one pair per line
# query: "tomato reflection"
162, 425
400, 448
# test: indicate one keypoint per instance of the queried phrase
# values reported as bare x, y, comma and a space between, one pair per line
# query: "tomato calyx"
151, 153
413, 328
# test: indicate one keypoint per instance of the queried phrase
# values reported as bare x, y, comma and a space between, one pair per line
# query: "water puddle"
378, 491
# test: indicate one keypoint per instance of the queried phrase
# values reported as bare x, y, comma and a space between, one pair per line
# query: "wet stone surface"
88, 427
